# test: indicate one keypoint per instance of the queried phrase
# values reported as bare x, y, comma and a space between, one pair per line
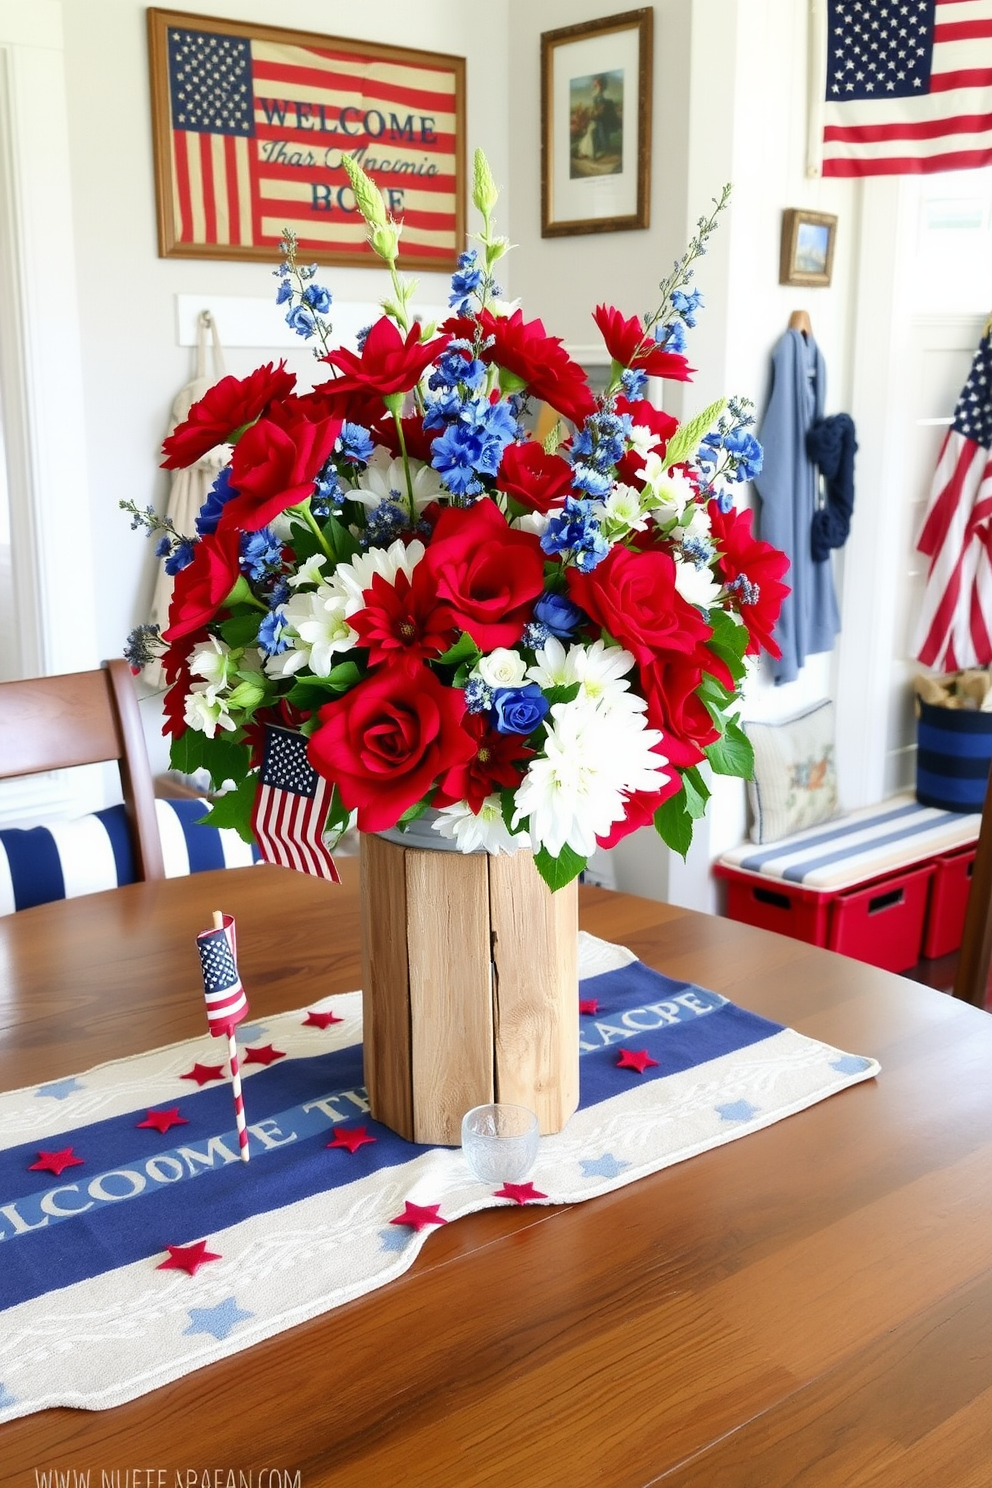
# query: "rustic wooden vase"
469, 988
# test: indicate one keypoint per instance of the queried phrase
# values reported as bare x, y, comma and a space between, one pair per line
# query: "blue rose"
559, 614
519, 710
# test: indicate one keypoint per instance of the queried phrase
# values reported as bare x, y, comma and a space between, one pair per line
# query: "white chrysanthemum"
667, 492
592, 760
622, 510
502, 668
205, 712
599, 670
384, 479
643, 440
317, 631
350, 580
697, 586
309, 572
210, 661
487, 830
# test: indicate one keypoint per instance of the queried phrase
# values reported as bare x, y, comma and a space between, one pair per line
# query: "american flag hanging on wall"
291, 806
908, 87
955, 624
252, 124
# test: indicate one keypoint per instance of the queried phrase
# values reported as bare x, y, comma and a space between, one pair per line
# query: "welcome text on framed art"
251, 123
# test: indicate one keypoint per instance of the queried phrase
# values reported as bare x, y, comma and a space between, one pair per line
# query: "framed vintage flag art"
251, 123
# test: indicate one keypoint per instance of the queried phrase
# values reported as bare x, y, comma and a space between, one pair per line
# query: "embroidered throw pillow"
795, 778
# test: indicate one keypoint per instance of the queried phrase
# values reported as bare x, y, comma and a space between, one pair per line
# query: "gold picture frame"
596, 125
807, 255
250, 124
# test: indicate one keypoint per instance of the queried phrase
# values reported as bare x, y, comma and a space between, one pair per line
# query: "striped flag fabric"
291, 806
908, 87
222, 989
955, 625
258, 126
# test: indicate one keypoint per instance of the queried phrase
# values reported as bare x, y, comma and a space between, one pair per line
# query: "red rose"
387, 741
539, 361
388, 364
223, 410
532, 477
630, 346
751, 570
276, 462
487, 573
175, 668
417, 439
669, 685
632, 595
203, 585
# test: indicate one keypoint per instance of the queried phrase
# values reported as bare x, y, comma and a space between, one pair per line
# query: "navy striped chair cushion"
66, 858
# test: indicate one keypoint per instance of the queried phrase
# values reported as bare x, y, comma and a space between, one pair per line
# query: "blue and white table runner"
88, 1319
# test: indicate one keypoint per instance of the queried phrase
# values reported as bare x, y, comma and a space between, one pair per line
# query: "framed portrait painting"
596, 125
250, 125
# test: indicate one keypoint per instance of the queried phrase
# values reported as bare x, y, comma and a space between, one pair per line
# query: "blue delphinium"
218, 496
261, 554
354, 443
384, 524
142, 646
633, 382
465, 281
575, 531
271, 636
519, 710
318, 298
180, 555
598, 446
535, 635
300, 320
472, 445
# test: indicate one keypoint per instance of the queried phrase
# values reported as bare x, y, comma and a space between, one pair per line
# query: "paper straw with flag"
291, 807
226, 1002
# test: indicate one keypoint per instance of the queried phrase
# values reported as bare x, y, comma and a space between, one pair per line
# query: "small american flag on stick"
226, 1002
291, 807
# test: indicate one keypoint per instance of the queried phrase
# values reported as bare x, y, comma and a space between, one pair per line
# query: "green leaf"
562, 694
241, 629
697, 792
730, 633
340, 541
413, 812
234, 808
338, 815
687, 437
463, 650
673, 824
507, 805
310, 693
554, 439
733, 754
559, 871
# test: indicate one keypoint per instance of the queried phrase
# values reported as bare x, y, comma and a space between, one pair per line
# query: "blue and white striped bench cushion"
862, 845
66, 858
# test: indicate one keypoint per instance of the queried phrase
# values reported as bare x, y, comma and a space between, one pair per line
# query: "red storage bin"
948, 902
773, 905
882, 923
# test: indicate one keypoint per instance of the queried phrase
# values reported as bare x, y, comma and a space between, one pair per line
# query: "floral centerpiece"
540, 641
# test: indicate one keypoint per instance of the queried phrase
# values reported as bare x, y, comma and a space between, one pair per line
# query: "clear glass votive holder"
500, 1142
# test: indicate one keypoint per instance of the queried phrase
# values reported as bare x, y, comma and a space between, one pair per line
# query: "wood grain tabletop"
811, 1305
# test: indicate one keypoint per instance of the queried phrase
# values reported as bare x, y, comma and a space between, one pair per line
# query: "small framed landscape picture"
807, 247
596, 125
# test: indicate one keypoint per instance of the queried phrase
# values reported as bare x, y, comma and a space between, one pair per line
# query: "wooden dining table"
810, 1305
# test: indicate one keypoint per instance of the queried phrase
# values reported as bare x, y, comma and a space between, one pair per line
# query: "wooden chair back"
85, 718
974, 958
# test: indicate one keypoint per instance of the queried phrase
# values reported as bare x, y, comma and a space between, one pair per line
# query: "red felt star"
162, 1120
55, 1162
588, 1004
419, 1216
351, 1137
264, 1054
635, 1059
204, 1073
187, 1257
519, 1192
321, 1020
